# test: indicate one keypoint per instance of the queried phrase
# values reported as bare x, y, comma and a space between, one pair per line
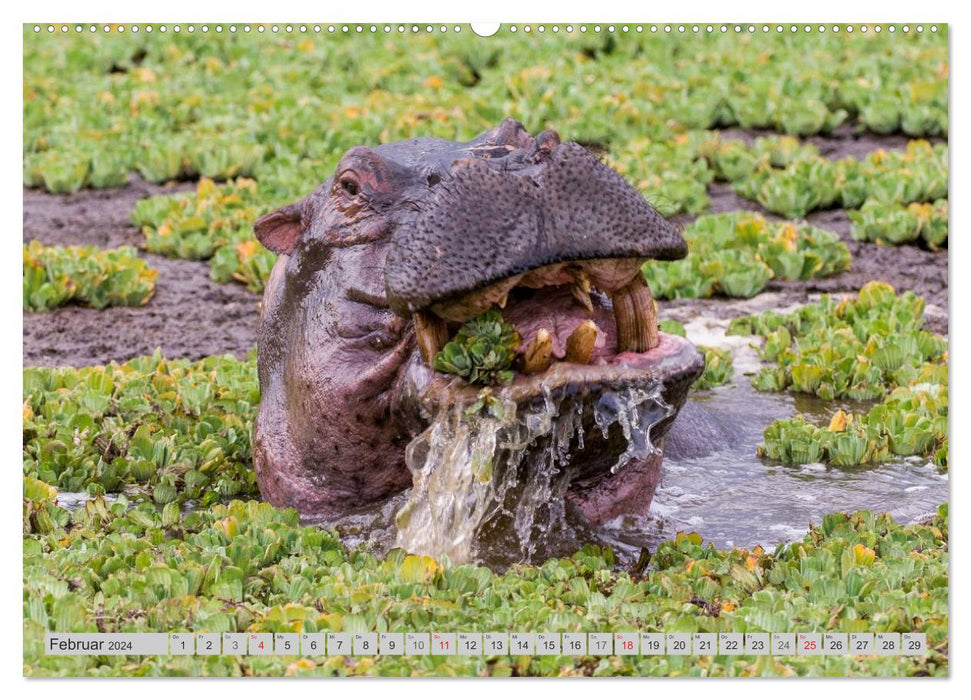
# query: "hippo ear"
280, 230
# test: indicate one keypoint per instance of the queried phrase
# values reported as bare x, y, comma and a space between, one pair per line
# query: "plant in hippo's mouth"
482, 352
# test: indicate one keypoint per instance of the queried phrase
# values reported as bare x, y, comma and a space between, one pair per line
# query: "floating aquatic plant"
866, 348
737, 253
56, 275
482, 351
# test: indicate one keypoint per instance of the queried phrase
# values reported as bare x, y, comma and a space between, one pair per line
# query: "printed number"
260, 645
601, 644
575, 645
313, 645
731, 645
496, 645
913, 644
837, 644
443, 644
420, 644
784, 645
391, 645
235, 645
628, 645
887, 645
208, 645
654, 644
704, 644
340, 643
758, 645
861, 644
286, 644
679, 645
810, 645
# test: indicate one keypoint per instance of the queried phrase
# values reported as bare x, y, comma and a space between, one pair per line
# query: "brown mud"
191, 316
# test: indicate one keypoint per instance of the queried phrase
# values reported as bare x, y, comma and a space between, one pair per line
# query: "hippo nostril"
433, 179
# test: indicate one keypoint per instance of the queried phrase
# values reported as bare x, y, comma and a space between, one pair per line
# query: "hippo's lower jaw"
603, 489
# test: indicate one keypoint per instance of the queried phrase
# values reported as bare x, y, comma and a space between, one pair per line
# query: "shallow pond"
735, 498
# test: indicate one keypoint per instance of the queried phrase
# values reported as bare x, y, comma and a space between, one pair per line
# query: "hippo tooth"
579, 346
582, 279
582, 287
583, 296
538, 355
636, 317
431, 333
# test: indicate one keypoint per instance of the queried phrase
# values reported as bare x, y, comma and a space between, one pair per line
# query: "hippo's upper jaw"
381, 264
542, 230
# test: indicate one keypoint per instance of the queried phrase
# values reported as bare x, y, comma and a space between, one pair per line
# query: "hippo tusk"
431, 333
636, 317
538, 355
581, 288
579, 346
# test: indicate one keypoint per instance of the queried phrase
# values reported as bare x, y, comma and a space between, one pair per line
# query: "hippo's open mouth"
583, 312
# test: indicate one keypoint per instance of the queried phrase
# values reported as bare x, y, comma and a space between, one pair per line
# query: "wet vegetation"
869, 348
482, 351
247, 566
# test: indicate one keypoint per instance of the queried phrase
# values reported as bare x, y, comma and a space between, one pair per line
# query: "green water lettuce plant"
869, 348
808, 181
737, 253
246, 566
482, 351
56, 275
212, 223
895, 224
160, 430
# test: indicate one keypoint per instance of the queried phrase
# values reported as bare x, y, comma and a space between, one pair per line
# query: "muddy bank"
189, 316
846, 140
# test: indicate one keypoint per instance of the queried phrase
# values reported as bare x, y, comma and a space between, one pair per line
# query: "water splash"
494, 473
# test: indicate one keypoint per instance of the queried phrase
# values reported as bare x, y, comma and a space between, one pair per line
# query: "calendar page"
485, 350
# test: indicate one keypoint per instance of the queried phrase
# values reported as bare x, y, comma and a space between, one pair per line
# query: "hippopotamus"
381, 264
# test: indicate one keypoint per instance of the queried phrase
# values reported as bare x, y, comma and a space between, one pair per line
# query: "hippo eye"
350, 186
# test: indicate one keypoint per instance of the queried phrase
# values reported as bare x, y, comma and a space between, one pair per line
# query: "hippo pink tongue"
556, 311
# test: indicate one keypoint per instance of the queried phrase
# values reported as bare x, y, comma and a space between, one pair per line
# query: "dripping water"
495, 473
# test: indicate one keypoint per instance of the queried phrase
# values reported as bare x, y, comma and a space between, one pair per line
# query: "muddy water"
733, 498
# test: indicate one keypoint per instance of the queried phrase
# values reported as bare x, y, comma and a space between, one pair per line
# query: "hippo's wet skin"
381, 264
